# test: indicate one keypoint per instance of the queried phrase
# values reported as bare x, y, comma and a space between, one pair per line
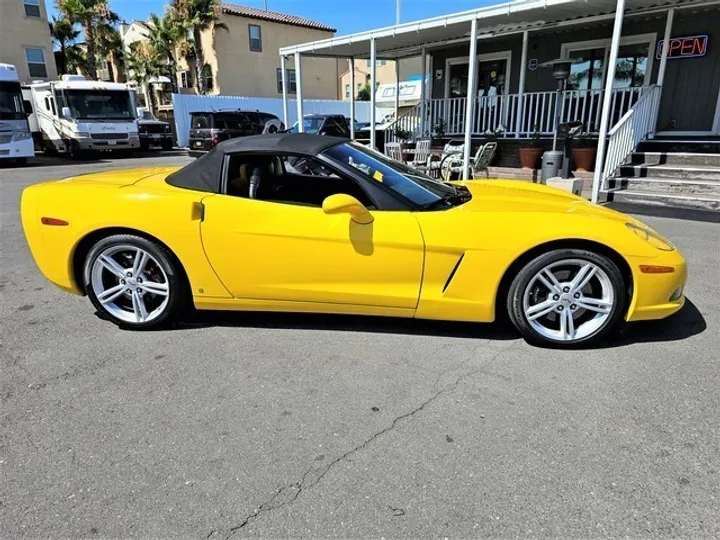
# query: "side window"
287, 179
52, 106
47, 103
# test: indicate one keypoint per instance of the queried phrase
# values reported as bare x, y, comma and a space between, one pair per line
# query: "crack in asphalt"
289, 493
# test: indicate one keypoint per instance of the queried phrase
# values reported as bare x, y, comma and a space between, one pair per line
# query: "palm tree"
109, 46
76, 60
167, 34
90, 14
199, 15
64, 34
142, 64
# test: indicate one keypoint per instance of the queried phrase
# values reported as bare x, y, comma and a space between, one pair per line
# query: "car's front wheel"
134, 282
567, 297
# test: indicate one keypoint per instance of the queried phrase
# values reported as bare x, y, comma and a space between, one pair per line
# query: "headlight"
651, 237
22, 135
82, 134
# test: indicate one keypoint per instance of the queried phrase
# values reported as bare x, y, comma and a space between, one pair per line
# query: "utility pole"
397, 11
265, 5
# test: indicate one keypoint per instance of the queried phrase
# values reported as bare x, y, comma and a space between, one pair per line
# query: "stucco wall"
18, 31
385, 74
242, 72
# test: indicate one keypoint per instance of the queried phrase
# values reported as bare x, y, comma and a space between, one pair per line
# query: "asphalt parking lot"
305, 426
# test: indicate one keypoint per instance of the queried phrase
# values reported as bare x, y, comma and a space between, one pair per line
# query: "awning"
405, 40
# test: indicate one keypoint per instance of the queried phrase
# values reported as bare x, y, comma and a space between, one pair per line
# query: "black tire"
178, 291
167, 145
73, 150
521, 281
144, 146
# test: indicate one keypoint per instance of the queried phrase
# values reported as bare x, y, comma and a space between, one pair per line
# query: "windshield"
99, 104
310, 125
405, 181
11, 103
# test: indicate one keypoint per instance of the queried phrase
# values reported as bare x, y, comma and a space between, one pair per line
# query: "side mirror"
340, 203
28, 108
66, 113
139, 112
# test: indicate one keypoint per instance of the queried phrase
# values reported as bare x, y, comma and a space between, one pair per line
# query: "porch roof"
405, 40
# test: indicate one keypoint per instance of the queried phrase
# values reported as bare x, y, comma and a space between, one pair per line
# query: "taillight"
215, 140
54, 221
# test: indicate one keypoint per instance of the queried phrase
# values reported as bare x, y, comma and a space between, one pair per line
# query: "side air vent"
452, 274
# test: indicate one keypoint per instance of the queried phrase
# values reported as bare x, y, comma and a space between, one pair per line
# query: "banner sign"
684, 47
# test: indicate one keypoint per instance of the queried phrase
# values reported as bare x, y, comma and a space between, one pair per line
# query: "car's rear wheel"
134, 282
566, 298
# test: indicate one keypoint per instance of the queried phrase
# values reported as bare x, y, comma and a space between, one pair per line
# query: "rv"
15, 140
76, 116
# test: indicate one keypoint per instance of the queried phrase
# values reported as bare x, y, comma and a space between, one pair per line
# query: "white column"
284, 90
397, 89
470, 101
521, 86
423, 93
607, 100
663, 63
373, 69
351, 63
298, 95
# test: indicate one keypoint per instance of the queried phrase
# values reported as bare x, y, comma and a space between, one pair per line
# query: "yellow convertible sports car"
304, 223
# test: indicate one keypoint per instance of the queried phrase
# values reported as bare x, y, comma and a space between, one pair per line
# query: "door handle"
198, 211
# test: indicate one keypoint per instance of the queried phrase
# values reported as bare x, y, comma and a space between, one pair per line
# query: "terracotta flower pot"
529, 157
584, 158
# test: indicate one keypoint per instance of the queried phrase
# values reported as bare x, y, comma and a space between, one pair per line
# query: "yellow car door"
286, 252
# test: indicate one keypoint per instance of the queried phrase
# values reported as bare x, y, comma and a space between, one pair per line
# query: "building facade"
384, 73
242, 59
25, 39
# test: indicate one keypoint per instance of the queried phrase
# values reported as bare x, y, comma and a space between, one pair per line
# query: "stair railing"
634, 127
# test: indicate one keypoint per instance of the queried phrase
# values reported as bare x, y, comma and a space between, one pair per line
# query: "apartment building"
25, 39
244, 60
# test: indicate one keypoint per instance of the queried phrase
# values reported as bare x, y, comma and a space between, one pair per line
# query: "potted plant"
583, 153
438, 132
403, 136
530, 155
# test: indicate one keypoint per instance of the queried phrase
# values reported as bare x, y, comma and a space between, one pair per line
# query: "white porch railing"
519, 116
635, 125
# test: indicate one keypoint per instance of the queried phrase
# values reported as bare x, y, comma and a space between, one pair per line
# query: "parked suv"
209, 128
154, 132
334, 125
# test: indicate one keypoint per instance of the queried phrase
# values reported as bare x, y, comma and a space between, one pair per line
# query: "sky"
348, 16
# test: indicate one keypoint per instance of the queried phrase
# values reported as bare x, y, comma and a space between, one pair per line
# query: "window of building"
208, 75
186, 79
632, 69
32, 8
347, 91
36, 62
377, 62
292, 84
255, 38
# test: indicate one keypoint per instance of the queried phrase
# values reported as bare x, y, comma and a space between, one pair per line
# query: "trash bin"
552, 161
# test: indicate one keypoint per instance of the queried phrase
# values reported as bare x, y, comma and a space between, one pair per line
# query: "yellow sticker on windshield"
378, 176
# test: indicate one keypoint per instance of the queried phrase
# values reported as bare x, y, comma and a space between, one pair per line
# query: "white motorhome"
15, 140
75, 115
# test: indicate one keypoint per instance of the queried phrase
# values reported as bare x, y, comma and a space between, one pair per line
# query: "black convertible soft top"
204, 173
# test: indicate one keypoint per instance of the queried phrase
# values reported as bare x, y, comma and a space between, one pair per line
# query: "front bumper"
111, 145
155, 138
656, 296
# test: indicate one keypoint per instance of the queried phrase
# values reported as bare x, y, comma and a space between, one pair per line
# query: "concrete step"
705, 202
690, 159
695, 172
703, 146
686, 187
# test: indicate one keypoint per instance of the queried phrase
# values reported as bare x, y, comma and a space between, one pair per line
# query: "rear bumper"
656, 296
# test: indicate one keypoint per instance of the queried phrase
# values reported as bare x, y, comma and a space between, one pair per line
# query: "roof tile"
254, 13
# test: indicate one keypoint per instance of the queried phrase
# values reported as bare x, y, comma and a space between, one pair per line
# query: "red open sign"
684, 47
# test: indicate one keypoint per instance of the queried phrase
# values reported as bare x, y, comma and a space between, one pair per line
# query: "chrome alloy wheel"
569, 300
130, 284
